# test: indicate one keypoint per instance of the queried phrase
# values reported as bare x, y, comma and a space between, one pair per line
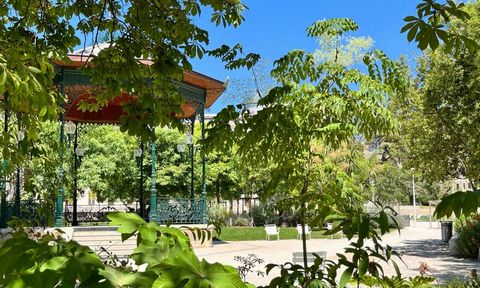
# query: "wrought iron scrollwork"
36, 212
179, 210
93, 214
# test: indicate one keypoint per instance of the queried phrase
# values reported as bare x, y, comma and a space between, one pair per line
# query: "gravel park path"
417, 244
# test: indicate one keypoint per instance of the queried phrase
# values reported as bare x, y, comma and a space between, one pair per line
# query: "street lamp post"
78, 151
189, 142
414, 199
181, 148
138, 153
70, 129
20, 137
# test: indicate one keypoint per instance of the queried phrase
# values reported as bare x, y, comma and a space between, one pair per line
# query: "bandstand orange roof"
209, 88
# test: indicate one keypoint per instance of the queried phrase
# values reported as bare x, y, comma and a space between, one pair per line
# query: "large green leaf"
128, 223
459, 203
55, 263
383, 221
363, 265
155, 252
186, 270
122, 277
431, 24
346, 277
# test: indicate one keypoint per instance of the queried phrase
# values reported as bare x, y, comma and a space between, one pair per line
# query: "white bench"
298, 257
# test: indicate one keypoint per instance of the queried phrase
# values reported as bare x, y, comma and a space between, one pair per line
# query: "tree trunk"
218, 193
302, 222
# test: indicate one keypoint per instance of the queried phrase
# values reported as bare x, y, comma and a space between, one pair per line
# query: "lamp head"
20, 135
79, 151
181, 148
70, 128
189, 139
137, 153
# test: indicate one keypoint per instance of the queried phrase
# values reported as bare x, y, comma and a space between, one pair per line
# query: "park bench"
298, 257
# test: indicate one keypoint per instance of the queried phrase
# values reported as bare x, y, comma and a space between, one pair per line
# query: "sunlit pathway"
417, 244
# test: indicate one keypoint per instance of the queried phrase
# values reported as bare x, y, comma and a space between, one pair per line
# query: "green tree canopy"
440, 118
315, 100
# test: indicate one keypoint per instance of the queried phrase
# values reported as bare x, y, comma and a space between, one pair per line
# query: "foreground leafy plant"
429, 26
398, 282
165, 253
34, 260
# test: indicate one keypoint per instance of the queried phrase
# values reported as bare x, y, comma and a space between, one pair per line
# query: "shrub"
468, 240
459, 283
241, 221
264, 214
258, 215
218, 214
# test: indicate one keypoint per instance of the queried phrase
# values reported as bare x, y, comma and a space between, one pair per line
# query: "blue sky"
274, 27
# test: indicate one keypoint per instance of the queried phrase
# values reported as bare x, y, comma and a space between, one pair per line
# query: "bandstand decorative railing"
181, 210
170, 210
93, 214
36, 212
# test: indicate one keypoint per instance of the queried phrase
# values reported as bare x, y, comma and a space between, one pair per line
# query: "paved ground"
417, 244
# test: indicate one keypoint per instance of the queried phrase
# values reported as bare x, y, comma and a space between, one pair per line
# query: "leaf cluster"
37, 35
438, 119
429, 26
165, 252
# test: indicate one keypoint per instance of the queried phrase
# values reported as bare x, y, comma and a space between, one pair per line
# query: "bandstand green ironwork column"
142, 196
191, 154
204, 184
59, 205
153, 215
3, 197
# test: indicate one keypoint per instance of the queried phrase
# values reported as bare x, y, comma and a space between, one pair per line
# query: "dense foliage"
439, 134
318, 104
110, 171
286, 129
36, 34
38, 259
468, 232
394, 185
